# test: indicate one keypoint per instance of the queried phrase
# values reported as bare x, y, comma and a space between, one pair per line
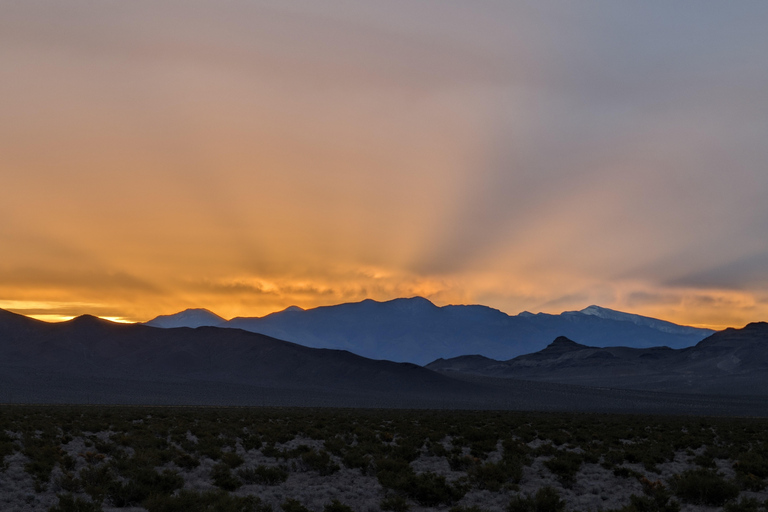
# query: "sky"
244, 156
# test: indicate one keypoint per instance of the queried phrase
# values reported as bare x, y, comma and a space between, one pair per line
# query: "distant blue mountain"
188, 318
415, 330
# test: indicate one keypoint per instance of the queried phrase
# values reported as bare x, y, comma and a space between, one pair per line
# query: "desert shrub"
649, 454
546, 499
515, 450
96, 481
69, 482
492, 476
210, 447
320, 461
232, 459
705, 460
251, 442
337, 506
481, 444
358, 457
211, 501
67, 462
704, 487
744, 505
752, 468
292, 505
459, 462
395, 503
141, 484
430, 490
6, 445
565, 465
43, 456
612, 458
264, 475
649, 504
751, 482
294, 453
68, 503
223, 478
437, 449
624, 472
105, 447
657, 497
393, 473
408, 451
186, 461
269, 450
545, 450
336, 445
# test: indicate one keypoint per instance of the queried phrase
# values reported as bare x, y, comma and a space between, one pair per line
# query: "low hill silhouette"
733, 361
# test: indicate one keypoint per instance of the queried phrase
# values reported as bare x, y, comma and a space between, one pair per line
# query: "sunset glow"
247, 156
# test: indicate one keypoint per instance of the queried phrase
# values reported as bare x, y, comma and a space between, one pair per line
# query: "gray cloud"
749, 273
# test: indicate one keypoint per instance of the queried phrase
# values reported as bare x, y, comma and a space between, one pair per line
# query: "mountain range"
416, 330
732, 362
90, 360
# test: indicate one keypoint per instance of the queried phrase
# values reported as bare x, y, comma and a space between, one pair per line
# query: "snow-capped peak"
195, 317
659, 325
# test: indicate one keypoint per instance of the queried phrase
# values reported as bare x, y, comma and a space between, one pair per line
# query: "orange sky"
246, 156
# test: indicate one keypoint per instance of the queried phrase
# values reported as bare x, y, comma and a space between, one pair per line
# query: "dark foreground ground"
468, 393
158, 459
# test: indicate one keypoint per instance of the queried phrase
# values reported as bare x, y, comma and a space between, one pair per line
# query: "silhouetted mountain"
417, 331
94, 349
188, 318
89, 360
659, 325
733, 361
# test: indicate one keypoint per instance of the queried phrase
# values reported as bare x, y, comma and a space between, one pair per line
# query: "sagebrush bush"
337, 506
430, 490
232, 459
395, 503
142, 483
68, 503
494, 475
96, 481
704, 487
320, 461
565, 465
211, 501
649, 504
264, 475
546, 499
292, 505
744, 505
223, 478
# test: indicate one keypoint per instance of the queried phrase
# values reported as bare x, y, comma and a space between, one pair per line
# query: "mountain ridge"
732, 361
416, 330
95, 361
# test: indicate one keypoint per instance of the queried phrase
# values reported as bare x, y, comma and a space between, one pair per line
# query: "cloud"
746, 273
246, 156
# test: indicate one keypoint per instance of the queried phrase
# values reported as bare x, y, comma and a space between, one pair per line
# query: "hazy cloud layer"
247, 155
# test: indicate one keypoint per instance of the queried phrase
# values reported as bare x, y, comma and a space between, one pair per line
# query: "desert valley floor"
158, 459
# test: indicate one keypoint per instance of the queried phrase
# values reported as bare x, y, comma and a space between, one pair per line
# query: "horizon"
59, 319
248, 156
